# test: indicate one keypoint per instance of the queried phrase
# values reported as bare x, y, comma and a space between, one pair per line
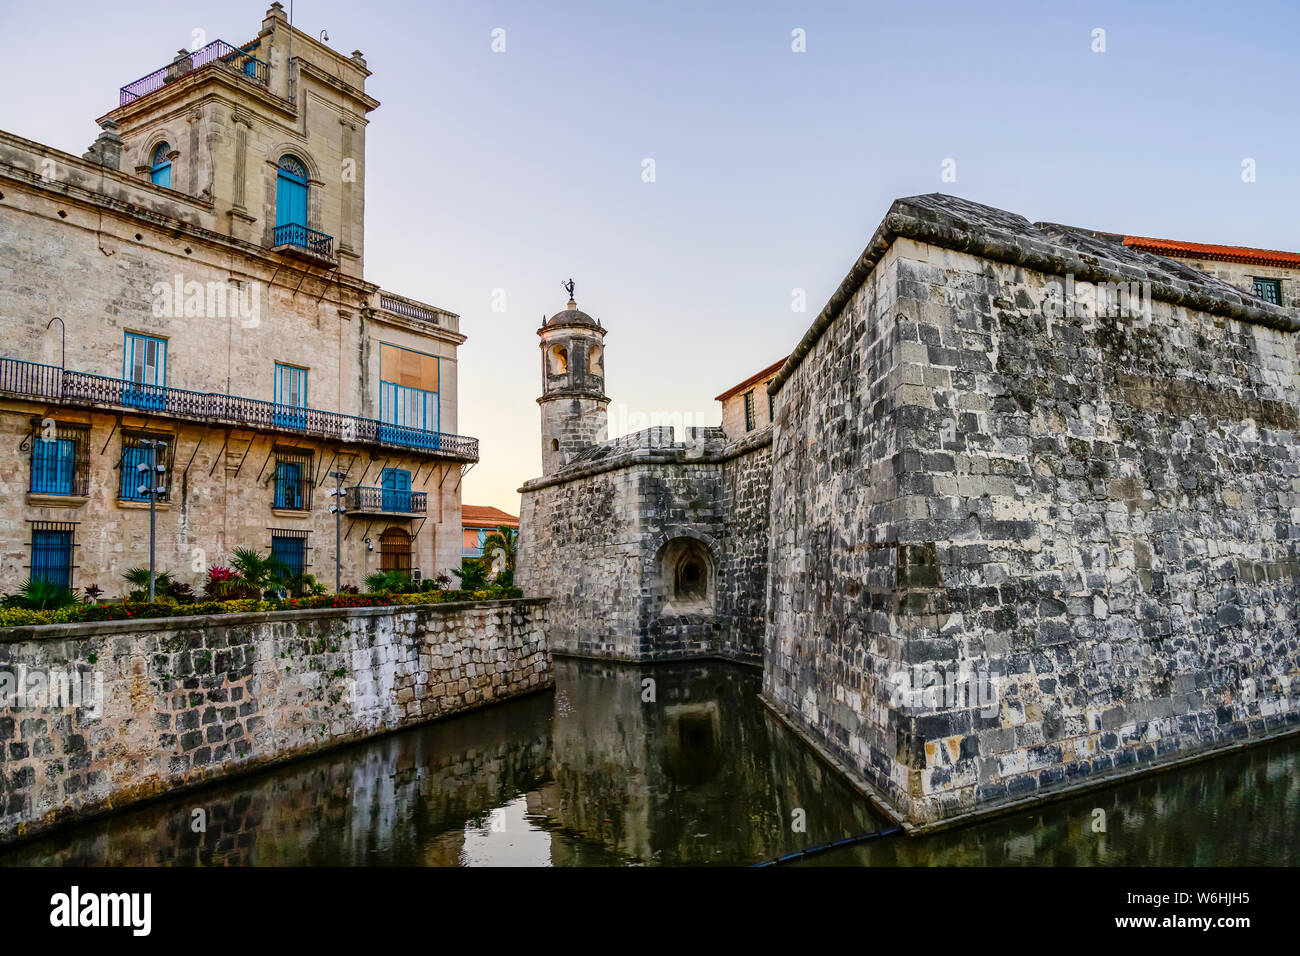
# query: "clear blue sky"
516, 170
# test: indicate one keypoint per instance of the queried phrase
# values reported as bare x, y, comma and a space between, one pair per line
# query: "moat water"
591, 773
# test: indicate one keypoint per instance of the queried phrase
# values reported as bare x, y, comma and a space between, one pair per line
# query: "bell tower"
575, 410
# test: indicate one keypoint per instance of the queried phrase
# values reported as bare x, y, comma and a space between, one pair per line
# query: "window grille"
290, 547
134, 454
52, 549
60, 459
293, 479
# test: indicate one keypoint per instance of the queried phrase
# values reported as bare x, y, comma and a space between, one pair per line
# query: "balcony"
384, 501
218, 54
298, 240
48, 383
407, 308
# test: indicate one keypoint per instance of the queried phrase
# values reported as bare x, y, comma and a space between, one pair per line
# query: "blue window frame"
293, 479
134, 455
291, 192
414, 414
144, 370
396, 485
52, 555
161, 172
290, 396
54, 462
288, 485
291, 550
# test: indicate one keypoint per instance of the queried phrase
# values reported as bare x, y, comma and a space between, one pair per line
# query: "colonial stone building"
1026, 514
205, 260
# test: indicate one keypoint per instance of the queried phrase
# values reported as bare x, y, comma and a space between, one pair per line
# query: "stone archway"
685, 576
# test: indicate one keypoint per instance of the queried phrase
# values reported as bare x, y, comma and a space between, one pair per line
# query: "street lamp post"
338, 510
63, 349
151, 484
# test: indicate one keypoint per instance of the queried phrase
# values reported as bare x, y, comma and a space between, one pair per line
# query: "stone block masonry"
189, 700
607, 538
1015, 552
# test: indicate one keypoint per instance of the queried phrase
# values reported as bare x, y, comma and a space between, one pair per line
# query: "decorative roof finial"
568, 287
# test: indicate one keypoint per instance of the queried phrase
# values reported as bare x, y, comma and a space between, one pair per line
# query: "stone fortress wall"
155, 706
1083, 530
606, 536
1026, 516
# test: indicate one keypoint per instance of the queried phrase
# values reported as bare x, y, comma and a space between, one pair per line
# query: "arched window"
161, 166
559, 360
395, 550
596, 360
291, 192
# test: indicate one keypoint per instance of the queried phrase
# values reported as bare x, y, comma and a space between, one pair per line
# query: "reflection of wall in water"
696, 776
399, 799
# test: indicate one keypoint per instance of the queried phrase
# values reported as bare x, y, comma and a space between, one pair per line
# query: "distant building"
205, 257
749, 406
479, 521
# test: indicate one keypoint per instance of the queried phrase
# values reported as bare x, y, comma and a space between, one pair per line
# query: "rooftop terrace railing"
218, 52
407, 308
53, 384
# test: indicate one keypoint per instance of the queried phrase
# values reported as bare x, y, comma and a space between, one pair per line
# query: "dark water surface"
593, 774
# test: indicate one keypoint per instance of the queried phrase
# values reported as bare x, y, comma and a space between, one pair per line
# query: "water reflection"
620, 764
670, 764
1238, 810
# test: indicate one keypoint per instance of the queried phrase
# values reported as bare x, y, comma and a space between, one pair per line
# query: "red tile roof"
1200, 250
752, 380
485, 516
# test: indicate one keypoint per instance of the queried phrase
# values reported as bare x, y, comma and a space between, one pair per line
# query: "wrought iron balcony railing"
385, 501
218, 53
298, 238
53, 384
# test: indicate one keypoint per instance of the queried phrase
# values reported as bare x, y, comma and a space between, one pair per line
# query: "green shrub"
77, 612
41, 595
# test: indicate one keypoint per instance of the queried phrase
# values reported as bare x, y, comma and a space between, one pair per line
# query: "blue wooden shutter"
396, 484
52, 466
288, 484
52, 557
132, 478
290, 199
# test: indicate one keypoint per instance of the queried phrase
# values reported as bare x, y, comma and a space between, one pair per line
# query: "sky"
495, 174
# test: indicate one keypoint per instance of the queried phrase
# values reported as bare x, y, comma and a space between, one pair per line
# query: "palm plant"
388, 582
40, 595
472, 574
302, 584
138, 578
499, 553
260, 573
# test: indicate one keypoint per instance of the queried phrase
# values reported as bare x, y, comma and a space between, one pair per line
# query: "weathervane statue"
568, 287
